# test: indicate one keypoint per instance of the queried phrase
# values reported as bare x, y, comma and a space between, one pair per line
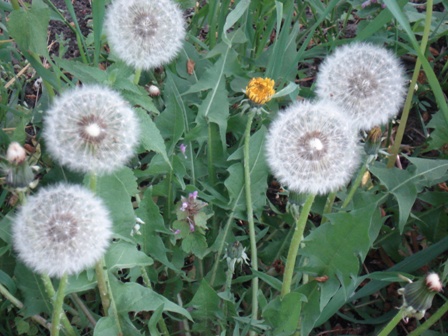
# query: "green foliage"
169, 269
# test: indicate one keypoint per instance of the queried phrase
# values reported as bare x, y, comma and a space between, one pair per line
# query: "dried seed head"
91, 129
145, 34
311, 148
366, 80
15, 154
62, 229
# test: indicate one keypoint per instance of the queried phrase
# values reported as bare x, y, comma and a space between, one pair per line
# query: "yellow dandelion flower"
260, 90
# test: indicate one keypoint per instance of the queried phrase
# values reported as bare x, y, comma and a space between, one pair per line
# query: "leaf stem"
295, 243
355, 185
57, 306
138, 73
250, 217
407, 104
392, 324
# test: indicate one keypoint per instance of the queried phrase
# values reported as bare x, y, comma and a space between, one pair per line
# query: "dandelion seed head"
145, 34
62, 229
91, 129
311, 147
368, 82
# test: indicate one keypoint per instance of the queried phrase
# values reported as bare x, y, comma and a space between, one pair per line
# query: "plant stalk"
57, 306
250, 217
392, 324
407, 104
294, 246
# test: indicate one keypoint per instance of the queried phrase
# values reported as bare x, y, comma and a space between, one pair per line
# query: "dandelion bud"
153, 91
91, 129
260, 90
433, 282
366, 80
312, 148
236, 254
373, 141
145, 34
62, 229
15, 154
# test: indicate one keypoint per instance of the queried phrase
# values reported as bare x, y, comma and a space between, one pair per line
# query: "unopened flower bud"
153, 91
15, 154
373, 141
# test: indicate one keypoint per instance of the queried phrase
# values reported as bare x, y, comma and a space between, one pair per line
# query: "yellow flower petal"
260, 90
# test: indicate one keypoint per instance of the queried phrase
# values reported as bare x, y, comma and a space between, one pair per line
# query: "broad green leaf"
83, 72
206, 302
270, 280
29, 28
150, 240
116, 191
81, 282
150, 136
195, 243
132, 297
125, 255
36, 300
335, 249
171, 122
233, 17
439, 135
406, 184
284, 314
107, 326
258, 174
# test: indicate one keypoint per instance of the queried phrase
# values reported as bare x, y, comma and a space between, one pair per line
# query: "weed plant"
224, 167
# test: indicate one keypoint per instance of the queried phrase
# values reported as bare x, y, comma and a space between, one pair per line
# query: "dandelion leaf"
116, 191
258, 174
125, 255
439, 134
406, 184
28, 28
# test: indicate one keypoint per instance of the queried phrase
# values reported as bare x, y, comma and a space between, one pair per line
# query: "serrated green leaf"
29, 27
125, 255
83, 72
206, 302
116, 191
195, 243
406, 184
132, 297
150, 240
258, 174
150, 136
36, 300
284, 313
335, 249
81, 282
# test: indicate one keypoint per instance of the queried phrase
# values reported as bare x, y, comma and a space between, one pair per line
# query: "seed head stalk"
250, 217
295, 243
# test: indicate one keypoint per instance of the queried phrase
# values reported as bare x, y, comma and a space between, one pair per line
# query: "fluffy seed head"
260, 90
366, 80
145, 34
61, 229
91, 129
15, 154
433, 282
311, 147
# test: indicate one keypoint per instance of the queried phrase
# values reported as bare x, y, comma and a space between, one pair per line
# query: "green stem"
57, 306
138, 73
430, 321
392, 324
295, 243
15, 4
328, 206
101, 277
407, 104
51, 294
355, 186
210, 156
250, 217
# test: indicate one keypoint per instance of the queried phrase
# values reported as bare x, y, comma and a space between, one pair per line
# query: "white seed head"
312, 148
366, 80
145, 34
62, 229
433, 282
15, 153
91, 129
